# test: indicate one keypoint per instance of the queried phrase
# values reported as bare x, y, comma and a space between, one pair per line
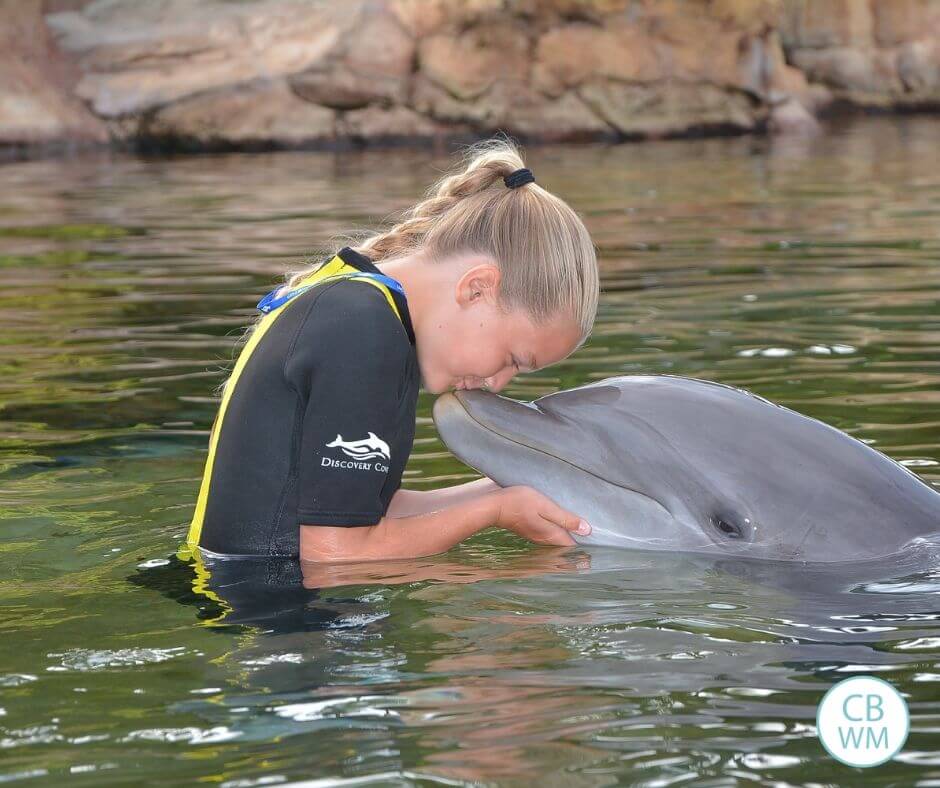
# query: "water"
808, 272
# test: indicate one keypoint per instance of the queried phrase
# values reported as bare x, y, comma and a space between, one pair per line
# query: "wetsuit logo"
365, 449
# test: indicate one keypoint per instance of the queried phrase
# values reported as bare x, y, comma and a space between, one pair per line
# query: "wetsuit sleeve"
350, 364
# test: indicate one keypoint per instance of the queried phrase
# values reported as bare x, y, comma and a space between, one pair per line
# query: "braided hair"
542, 248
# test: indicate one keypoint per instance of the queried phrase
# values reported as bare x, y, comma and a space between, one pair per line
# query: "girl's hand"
526, 512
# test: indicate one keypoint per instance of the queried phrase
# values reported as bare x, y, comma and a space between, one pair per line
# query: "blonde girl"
489, 276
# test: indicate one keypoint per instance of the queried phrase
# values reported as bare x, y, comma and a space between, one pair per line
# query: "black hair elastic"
519, 178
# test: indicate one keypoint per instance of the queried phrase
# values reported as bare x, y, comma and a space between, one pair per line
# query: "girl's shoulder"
348, 322
354, 303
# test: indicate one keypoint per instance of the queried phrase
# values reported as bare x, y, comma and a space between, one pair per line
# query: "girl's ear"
479, 283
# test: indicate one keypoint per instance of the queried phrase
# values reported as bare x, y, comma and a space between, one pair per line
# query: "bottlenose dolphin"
663, 462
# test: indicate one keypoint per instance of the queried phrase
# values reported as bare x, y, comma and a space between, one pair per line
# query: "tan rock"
373, 68
573, 8
681, 23
141, 56
932, 22
265, 112
675, 41
814, 24
567, 56
853, 71
897, 21
693, 46
35, 83
750, 16
32, 112
513, 106
419, 17
423, 17
467, 65
790, 82
769, 76
379, 47
432, 101
791, 117
377, 123
292, 72
717, 61
762, 67
554, 12
340, 89
566, 118
918, 66
669, 108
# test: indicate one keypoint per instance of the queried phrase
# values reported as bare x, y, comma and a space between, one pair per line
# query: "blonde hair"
541, 246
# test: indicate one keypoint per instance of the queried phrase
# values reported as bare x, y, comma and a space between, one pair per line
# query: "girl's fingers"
569, 522
584, 528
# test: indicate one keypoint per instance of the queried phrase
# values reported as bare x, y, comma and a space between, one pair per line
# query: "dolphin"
663, 462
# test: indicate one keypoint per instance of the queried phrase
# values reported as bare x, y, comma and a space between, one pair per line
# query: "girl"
489, 276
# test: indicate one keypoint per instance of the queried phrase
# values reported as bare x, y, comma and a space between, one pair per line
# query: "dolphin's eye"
726, 527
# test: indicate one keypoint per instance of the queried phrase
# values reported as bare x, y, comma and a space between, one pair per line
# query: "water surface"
805, 271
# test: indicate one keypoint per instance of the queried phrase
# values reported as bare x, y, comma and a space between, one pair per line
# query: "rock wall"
271, 73
36, 83
879, 54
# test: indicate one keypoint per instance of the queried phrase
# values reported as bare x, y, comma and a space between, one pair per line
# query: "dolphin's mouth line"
505, 437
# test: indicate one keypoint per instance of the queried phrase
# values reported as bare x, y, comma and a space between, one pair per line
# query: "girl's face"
469, 342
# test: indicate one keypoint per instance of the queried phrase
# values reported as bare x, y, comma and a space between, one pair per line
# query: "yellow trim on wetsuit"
334, 268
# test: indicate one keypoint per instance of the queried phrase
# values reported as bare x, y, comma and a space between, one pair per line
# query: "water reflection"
583, 670
278, 594
803, 270
435, 569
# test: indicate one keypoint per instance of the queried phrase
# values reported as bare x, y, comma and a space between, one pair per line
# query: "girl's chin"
436, 386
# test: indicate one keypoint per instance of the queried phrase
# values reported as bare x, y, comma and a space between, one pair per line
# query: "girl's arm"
522, 510
405, 503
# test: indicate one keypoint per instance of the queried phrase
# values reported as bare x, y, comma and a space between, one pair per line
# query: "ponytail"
543, 250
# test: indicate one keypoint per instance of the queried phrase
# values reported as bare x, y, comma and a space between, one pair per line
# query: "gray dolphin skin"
660, 462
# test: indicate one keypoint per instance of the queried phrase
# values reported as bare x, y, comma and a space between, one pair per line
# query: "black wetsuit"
318, 417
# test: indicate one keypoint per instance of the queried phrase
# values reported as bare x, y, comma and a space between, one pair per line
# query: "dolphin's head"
663, 462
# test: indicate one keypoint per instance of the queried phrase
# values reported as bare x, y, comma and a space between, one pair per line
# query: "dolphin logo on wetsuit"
364, 449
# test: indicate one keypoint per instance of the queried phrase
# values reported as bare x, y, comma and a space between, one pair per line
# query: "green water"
807, 271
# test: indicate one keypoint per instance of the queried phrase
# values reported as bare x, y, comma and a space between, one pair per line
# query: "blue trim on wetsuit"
272, 300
